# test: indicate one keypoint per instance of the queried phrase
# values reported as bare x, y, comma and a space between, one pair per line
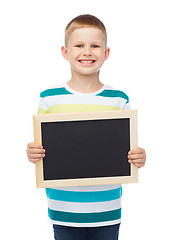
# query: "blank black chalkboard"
85, 149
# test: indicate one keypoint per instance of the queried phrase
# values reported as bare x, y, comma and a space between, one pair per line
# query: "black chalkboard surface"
86, 149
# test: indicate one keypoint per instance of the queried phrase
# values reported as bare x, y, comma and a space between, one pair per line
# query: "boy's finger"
36, 151
35, 145
36, 156
139, 165
35, 160
138, 161
136, 150
136, 156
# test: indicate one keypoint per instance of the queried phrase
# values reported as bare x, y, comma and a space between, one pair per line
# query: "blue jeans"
86, 233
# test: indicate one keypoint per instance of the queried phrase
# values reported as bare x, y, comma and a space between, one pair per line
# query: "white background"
140, 64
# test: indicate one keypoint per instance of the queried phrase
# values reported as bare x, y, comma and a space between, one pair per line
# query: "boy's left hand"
137, 157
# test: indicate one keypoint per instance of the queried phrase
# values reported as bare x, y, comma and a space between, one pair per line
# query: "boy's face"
86, 50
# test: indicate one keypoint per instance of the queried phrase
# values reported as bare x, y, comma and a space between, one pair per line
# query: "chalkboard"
86, 148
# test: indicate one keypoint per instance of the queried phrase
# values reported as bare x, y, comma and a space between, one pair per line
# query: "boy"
94, 212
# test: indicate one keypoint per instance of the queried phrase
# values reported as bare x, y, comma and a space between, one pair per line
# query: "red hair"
82, 21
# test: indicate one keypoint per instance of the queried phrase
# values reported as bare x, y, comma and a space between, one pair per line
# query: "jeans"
86, 233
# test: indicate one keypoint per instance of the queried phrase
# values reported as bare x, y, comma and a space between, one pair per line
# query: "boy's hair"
82, 21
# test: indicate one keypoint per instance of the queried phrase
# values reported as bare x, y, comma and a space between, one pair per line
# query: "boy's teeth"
86, 61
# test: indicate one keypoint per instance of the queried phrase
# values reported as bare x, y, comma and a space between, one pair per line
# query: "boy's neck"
85, 84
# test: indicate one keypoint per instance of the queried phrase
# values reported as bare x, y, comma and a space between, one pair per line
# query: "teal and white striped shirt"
88, 206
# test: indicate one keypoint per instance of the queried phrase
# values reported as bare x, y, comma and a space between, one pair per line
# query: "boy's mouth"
87, 61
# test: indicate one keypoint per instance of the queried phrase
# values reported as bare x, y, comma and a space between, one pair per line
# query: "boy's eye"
79, 46
95, 46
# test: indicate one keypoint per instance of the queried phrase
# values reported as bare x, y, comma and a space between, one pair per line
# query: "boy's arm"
136, 156
35, 152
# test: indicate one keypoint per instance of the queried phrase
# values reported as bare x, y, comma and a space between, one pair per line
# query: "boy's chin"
86, 73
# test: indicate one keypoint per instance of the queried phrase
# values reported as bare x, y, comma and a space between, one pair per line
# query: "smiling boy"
91, 212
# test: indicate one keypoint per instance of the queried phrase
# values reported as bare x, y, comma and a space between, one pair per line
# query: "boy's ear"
107, 52
64, 53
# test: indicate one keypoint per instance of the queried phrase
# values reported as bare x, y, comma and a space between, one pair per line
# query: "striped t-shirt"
86, 206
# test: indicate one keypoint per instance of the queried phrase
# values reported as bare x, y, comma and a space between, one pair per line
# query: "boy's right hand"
35, 152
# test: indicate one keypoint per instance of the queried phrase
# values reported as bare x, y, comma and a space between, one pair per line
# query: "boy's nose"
87, 52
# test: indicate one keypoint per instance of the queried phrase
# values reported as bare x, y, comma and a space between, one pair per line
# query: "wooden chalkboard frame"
116, 114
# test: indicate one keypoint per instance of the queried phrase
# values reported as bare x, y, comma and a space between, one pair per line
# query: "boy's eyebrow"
83, 42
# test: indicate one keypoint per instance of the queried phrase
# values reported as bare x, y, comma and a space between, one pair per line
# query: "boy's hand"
35, 152
137, 157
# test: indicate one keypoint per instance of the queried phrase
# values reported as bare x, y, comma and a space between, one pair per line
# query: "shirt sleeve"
127, 106
42, 107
